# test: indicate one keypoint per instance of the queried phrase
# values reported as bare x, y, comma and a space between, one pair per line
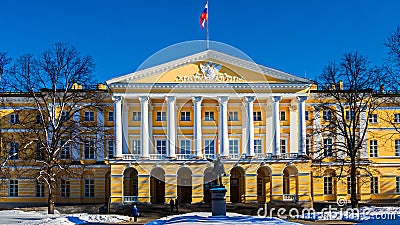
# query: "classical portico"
181, 113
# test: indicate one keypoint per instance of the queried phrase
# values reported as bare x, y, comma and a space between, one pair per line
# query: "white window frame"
110, 148
258, 145
374, 185
65, 188
136, 146
165, 146
65, 116
185, 146
327, 115
136, 116
373, 148
234, 150
373, 118
161, 116
257, 115
328, 185
89, 187
13, 148
348, 185
209, 116
89, 146
283, 148
39, 188
233, 116
13, 188
65, 150
209, 144
282, 115
185, 116
397, 147
397, 118
307, 115
350, 114
328, 147
88, 116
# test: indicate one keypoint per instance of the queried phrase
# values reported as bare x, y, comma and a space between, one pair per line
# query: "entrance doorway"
237, 185
184, 185
157, 186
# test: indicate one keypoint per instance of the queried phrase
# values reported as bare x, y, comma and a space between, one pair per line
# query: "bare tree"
346, 97
54, 122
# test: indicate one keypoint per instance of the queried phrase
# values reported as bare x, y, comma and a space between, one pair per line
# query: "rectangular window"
89, 188
373, 148
397, 147
398, 184
373, 118
39, 151
136, 146
327, 115
328, 186
234, 148
209, 147
233, 116
209, 116
185, 116
374, 185
14, 119
350, 114
13, 188
65, 150
328, 147
65, 116
185, 147
283, 115
257, 116
136, 116
397, 118
89, 149
13, 151
283, 146
89, 116
258, 146
307, 115
39, 188
161, 116
110, 148
38, 119
64, 188
161, 146
110, 116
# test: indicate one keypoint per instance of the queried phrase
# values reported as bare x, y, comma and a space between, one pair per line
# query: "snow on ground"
41, 217
206, 218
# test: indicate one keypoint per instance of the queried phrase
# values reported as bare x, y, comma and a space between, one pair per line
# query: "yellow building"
170, 118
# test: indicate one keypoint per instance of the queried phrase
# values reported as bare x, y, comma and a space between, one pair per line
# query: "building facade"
168, 122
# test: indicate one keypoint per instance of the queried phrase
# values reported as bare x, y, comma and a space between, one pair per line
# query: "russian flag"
204, 16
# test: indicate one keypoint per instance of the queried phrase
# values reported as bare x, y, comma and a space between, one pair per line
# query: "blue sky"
299, 37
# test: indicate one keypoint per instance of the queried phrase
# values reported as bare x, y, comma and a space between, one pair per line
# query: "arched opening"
130, 182
237, 185
184, 185
290, 177
209, 181
157, 186
264, 184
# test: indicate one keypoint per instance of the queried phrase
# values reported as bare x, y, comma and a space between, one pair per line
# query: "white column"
302, 124
318, 136
171, 126
125, 136
250, 126
223, 128
144, 126
294, 127
363, 126
100, 136
269, 144
276, 125
197, 126
118, 126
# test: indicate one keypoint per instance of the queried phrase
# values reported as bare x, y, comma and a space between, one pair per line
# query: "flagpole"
207, 37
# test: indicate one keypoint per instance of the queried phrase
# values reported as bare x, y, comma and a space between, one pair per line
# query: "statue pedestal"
218, 201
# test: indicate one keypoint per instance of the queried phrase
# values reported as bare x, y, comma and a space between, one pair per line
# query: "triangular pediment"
209, 67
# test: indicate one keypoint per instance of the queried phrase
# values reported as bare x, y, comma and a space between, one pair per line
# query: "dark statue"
218, 170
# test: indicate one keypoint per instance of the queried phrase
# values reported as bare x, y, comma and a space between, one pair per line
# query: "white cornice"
206, 55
